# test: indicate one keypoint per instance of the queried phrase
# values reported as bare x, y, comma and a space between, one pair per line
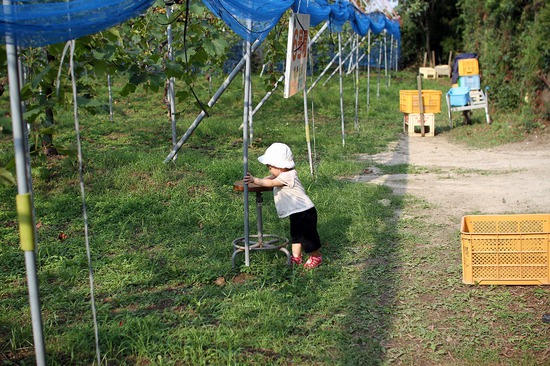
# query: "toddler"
291, 201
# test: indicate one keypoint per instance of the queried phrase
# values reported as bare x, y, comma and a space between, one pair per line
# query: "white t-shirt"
290, 198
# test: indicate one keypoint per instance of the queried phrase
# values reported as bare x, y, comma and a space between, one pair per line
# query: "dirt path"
457, 181
513, 178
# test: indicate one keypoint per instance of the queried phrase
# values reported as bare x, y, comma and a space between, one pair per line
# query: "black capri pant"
303, 230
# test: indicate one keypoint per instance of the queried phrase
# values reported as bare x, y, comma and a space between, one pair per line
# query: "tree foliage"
429, 25
512, 39
137, 50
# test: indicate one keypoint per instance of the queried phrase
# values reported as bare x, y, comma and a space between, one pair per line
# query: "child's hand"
248, 178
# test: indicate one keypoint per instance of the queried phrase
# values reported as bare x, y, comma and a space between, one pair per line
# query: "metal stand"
478, 100
262, 241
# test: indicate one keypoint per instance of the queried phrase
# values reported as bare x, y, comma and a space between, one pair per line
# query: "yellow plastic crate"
431, 100
506, 249
468, 66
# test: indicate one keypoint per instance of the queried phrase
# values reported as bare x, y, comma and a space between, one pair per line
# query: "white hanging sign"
296, 54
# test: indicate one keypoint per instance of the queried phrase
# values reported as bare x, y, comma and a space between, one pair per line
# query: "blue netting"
41, 22
35, 23
360, 24
392, 27
377, 22
339, 15
318, 10
252, 20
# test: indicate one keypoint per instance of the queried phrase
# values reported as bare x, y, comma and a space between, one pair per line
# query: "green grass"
161, 247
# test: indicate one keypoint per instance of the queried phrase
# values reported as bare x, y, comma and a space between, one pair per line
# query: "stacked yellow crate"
410, 106
468, 73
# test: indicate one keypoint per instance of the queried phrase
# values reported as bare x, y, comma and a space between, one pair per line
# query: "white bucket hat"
278, 155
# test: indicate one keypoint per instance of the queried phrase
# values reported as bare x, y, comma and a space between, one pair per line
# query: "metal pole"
350, 63
420, 103
341, 88
338, 69
246, 115
386, 57
390, 62
397, 55
308, 139
326, 68
359, 60
250, 113
110, 97
171, 81
306, 116
24, 199
210, 103
368, 73
26, 129
379, 68
357, 83
270, 93
259, 223
318, 34
353, 49
314, 154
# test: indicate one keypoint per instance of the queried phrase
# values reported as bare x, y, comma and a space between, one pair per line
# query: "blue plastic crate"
473, 82
459, 96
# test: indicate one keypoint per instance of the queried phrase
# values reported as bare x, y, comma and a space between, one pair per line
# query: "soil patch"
458, 180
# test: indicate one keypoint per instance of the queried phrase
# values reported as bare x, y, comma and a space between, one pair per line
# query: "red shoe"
295, 260
313, 262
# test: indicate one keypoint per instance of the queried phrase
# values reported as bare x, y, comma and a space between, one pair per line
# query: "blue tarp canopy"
35, 23
252, 20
